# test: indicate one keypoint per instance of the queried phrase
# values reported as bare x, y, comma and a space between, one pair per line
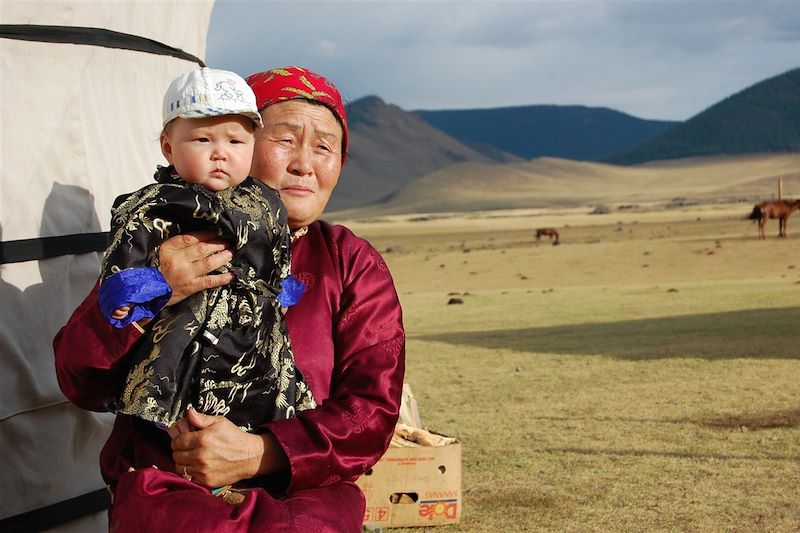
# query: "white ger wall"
79, 126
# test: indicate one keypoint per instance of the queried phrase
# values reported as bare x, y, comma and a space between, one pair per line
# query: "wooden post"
780, 188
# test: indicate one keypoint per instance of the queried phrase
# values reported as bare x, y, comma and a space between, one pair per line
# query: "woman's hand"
218, 453
186, 260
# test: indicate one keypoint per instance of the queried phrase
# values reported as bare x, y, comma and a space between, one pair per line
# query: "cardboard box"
414, 486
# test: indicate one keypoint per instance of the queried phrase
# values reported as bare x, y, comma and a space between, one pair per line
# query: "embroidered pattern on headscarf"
289, 83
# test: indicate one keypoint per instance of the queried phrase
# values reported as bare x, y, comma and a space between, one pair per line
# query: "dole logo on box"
432, 508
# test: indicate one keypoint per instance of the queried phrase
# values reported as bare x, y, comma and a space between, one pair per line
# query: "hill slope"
569, 132
549, 182
762, 118
391, 147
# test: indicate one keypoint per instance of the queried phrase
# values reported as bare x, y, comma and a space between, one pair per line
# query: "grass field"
644, 375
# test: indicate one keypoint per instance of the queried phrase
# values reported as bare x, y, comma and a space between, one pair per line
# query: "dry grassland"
549, 182
641, 376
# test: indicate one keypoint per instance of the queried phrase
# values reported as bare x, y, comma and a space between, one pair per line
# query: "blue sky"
660, 59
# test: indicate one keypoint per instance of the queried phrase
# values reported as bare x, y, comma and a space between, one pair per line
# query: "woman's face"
298, 152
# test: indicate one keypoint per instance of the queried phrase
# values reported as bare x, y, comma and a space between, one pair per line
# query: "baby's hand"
121, 313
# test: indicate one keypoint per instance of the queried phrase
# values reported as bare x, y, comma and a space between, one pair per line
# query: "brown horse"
780, 209
547, 232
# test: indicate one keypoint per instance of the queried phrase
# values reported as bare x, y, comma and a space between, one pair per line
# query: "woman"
347, 336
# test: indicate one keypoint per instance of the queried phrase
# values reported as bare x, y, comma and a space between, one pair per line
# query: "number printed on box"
376, 514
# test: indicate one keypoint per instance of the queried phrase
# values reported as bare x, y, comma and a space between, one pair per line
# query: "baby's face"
214, 152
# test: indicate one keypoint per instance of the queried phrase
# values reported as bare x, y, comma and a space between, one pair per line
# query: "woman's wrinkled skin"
298, 152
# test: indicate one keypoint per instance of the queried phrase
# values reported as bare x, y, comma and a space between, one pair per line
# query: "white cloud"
327, 48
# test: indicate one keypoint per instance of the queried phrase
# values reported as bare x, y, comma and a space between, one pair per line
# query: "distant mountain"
762, 118
391, 147
569, 132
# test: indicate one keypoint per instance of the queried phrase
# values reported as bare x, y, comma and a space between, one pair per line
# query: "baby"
223, 351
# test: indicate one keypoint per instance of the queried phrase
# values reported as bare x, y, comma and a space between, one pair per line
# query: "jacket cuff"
144, 290
289, 435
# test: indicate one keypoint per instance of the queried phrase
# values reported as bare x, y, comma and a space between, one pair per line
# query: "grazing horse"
780, 209
548, 232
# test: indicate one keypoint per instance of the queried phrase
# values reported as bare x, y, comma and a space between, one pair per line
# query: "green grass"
590, 396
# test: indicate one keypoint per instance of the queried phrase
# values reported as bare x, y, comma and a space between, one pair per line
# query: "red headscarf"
289, 83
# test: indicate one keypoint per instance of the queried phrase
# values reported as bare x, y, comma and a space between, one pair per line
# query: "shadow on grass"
507, 497
785, 418
674, 455
758, 334
788, 418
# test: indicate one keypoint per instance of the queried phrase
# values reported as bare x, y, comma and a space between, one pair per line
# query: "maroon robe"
348, 341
